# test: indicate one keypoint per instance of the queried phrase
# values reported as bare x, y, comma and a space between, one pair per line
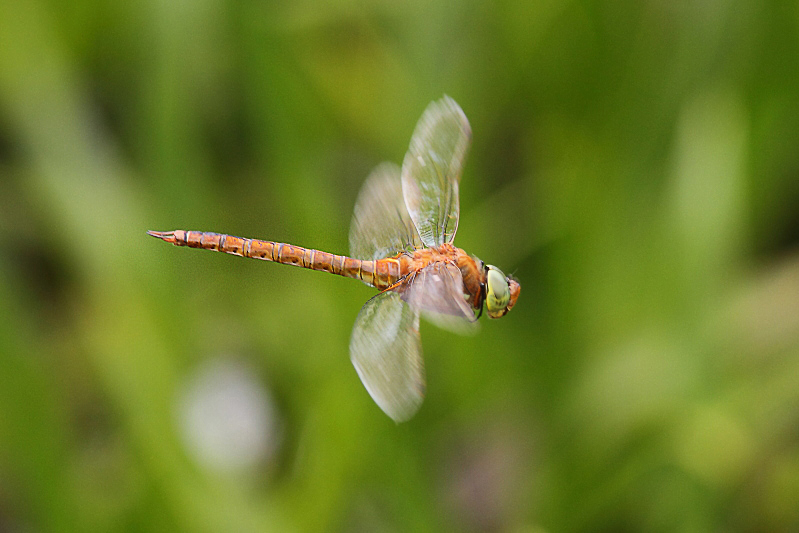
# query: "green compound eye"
497, 292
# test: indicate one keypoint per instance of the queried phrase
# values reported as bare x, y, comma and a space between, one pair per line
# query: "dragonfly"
401, 235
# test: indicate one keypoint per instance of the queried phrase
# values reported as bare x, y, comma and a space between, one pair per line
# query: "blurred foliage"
635, 164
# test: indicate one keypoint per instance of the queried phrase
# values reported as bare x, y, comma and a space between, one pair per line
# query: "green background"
634, 164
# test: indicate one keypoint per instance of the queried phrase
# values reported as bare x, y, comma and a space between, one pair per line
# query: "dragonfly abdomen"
381, 273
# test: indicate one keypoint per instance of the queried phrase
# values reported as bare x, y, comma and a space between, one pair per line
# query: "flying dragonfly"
401, 237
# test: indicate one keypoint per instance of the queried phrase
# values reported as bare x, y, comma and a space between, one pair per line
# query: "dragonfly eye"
497, 292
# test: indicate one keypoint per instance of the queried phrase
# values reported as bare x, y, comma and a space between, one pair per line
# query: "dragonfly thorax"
471, 268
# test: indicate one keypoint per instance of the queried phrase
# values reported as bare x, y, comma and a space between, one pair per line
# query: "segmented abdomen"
381, 273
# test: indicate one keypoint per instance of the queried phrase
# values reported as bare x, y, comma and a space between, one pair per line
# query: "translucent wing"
432, 168
381, 226
386, 351
437, 291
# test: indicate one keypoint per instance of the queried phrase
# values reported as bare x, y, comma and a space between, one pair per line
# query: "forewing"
437, 291
386, 351
432, 168
381, 226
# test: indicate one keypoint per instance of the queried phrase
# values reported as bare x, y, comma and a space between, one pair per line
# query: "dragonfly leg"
399, 282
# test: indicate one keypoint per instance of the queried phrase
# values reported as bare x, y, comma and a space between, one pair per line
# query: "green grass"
634, 164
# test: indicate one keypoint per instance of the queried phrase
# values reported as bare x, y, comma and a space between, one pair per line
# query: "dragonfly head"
501, 292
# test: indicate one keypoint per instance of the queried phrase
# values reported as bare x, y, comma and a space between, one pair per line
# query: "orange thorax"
470, 267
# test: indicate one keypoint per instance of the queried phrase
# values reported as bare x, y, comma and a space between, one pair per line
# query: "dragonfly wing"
386, 351
437, 291
432, 168
381, 226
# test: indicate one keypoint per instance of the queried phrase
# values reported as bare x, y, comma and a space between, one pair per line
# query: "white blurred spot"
227, 418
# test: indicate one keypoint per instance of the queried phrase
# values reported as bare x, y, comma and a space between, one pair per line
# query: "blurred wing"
381, 226
431, 170
386, 351
437, 291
